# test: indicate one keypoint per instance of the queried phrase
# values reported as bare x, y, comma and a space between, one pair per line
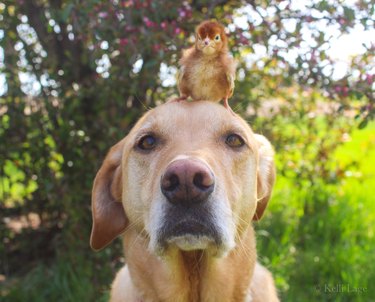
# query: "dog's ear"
265, 174
109, 219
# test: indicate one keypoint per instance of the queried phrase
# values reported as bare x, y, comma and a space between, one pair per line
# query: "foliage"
321, 236
77, 75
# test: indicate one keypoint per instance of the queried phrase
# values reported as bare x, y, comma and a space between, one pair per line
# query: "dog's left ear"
265, 175
109, 219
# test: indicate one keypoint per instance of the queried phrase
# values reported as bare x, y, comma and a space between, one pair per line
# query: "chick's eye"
217, 38
147, 142
234, 141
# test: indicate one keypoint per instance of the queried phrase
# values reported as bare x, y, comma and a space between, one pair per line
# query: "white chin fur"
191, 242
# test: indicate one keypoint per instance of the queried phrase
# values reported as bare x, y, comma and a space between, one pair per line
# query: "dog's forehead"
193, 117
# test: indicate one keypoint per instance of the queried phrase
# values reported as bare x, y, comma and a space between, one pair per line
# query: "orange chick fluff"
207, 70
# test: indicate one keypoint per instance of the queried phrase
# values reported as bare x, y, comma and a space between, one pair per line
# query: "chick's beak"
206, 41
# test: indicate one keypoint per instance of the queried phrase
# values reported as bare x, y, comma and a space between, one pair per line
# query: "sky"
342, 47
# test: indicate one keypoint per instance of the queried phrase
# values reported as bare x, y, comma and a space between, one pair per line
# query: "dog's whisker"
229, 213
132, 225
137, 237
240, 230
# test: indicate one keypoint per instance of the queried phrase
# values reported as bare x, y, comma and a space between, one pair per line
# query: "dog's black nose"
187, 181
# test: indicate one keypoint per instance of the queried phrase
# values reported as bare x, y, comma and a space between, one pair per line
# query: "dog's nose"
187, 181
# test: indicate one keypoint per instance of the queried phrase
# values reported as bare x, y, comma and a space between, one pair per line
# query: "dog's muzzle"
187, 184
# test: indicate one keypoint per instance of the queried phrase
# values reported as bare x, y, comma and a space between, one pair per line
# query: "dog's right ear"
109, 219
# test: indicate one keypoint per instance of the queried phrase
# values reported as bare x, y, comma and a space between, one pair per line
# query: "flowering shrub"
76, 75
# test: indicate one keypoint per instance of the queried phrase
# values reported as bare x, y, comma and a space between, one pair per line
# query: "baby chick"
207, 69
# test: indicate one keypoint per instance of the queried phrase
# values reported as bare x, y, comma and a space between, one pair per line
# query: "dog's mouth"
190, 235
190, 228
190, 242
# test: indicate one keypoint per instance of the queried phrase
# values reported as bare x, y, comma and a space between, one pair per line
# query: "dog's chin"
190, 242
188, 231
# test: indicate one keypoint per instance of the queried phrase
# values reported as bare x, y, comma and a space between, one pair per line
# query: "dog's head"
189, 175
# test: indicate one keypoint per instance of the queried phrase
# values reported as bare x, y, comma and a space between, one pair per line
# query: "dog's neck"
191, 276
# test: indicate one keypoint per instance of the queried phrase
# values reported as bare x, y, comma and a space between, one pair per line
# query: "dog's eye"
147, 142
234, 141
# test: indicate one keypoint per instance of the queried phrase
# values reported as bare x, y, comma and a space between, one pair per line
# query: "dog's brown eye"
147, 142
234, 141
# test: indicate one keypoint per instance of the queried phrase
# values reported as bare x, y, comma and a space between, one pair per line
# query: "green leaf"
363, 124
349, 13
66, 12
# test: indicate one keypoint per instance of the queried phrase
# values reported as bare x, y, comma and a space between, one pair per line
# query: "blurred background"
76, 75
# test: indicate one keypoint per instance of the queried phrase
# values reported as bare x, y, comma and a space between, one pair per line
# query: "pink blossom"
130, 29
243, 40
338, 89
345, 91
370, 79
156, 47
148, 22
182, 13
342, 90
124, 42
103, 15
185, 11
342, 21
127, 3
163, 25
313, 57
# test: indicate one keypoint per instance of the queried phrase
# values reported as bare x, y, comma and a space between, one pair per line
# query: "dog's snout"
187, 182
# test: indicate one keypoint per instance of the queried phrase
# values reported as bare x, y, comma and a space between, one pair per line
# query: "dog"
182, 189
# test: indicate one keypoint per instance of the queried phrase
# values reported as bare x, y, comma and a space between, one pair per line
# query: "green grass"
64, 281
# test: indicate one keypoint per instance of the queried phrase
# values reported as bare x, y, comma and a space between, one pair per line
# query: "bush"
77, 75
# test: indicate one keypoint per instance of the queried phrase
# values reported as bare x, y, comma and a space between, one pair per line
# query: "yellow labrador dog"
182, 189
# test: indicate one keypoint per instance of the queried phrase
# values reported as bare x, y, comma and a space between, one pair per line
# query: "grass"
65, 280
324, 255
